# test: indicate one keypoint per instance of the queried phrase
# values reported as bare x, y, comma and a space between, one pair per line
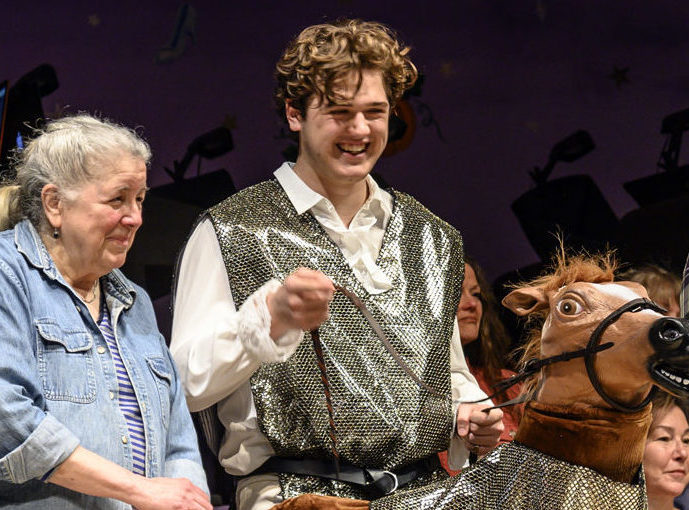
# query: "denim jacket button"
111, 394
125, 440
142, 406
100, 349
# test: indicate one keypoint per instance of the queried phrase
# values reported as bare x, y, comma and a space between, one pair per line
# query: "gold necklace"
94, 291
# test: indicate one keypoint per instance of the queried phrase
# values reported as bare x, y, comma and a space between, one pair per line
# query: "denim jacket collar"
30, 244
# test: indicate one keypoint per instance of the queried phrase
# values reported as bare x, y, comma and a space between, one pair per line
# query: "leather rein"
320, 359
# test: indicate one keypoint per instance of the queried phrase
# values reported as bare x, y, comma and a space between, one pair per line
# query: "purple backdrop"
505, 80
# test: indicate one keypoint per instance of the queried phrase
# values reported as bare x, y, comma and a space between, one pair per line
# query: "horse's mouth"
671, 377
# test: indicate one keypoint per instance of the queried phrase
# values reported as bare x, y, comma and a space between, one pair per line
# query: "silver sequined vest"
516, 477
383, 418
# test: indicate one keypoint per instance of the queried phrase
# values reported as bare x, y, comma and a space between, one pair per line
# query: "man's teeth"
352, 149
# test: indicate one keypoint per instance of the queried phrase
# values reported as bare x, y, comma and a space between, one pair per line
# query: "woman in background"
666, 457
485, 342
92, 414
662, 286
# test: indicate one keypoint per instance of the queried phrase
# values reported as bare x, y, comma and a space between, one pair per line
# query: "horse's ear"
525, 300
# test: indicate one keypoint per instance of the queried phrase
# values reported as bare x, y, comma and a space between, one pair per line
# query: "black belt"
378, 482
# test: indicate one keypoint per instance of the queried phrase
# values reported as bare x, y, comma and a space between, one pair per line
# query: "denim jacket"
58, 387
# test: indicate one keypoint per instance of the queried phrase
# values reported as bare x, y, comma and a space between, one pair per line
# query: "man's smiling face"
340, 143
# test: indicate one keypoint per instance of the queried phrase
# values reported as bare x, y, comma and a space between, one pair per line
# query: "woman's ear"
52, 202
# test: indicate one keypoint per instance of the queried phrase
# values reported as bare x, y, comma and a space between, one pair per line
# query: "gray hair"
69, 152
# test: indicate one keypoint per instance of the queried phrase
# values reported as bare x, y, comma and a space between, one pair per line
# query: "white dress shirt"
218, 348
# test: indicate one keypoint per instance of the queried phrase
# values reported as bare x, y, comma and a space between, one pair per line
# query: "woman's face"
470, 307
666, 458
97, 227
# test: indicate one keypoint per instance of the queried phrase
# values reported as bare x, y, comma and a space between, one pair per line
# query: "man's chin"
356, 172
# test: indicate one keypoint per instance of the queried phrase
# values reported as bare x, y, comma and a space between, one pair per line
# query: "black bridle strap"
535, 364
633, 306
532, 367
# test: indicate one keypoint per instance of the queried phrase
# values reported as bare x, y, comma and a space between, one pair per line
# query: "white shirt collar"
360, 242
304, 198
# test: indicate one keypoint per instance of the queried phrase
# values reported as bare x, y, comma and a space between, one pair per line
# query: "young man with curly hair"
353, 409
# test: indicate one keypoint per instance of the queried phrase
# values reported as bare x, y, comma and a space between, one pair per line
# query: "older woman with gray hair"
92, 414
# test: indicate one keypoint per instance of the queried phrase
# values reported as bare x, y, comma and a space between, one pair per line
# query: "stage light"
25, 110
674, 180
572, 206
210, 145
570, 149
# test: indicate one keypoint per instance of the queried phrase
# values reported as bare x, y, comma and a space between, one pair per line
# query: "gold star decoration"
447, 69
230, 122
619, 76
94, 20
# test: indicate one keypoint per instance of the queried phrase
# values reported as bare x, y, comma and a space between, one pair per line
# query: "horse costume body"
601, 348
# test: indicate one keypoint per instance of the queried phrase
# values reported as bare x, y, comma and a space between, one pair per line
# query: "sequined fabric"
383, 418
515, 477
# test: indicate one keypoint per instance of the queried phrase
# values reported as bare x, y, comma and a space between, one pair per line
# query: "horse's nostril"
668, 333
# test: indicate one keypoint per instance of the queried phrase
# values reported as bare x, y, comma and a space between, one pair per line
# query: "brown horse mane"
564, 270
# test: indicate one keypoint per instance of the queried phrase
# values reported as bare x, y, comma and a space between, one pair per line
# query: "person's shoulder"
7, 238
9, 254
262, 189
250, 204
15, 265
415, 209
413, 206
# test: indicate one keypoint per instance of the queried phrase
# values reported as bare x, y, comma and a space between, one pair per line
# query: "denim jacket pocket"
65, 362
162, 374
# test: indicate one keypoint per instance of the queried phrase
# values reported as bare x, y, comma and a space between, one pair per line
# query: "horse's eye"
569, 307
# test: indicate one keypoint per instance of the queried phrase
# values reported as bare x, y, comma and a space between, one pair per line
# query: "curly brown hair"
322, 57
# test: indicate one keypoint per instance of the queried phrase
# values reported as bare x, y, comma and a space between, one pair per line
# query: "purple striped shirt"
129, 405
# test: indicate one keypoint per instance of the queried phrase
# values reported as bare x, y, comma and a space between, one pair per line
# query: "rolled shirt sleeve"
48, 445
189, 469
32, 441
464, 389
217, 347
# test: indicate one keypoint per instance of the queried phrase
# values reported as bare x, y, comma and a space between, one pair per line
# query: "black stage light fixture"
650, 233
673, 181
42, 80
209, 145
570, 149
172, 209
25, 110
572, 206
